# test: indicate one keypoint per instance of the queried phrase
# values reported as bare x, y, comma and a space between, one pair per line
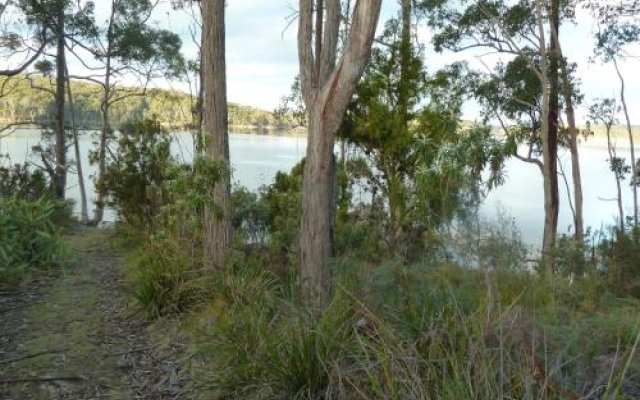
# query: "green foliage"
27, 183
249, 216
263, 348
162, 277
173, 109
135, 181
417, 331
620, 257
282, 202
21, 181
30, 241
419, 164
162, 205
270, 218
190, 189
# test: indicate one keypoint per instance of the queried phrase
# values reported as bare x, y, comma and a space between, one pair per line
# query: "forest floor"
73, 336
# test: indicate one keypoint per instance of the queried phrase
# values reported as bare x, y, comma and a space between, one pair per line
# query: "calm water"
256, 158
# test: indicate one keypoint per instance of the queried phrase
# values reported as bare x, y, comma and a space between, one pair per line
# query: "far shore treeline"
24, 102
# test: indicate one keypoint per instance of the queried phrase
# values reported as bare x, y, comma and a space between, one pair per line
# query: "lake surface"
256, 158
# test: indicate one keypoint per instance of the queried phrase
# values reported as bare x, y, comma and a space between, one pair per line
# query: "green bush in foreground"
30, 240
162, 278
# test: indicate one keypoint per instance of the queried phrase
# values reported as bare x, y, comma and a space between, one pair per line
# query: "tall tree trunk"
327, 88
105, 131
612, 157
553, 114
575, 157
395, 178
397, 206
60, 175
549, 232
404, 88
218, 228
200, 102
84, 210
318, 209
634, 171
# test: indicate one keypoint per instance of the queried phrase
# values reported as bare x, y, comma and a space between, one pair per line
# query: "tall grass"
163, 278
448, 338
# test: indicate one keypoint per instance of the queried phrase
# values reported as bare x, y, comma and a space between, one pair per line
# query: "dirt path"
73, 338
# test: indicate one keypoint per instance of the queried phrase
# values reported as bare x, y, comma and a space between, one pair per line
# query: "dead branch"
76, 378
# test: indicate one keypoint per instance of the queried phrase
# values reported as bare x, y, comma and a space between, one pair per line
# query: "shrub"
30, 241
620, 257
264, 347
282, 204
19, 180
249, 216
135, 180
162, 277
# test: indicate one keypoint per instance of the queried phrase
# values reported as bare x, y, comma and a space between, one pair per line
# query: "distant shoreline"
618, 132
269, 130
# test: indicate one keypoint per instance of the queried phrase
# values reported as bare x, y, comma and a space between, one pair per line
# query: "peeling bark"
327, 88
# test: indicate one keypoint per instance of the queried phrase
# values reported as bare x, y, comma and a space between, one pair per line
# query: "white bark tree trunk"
575, 156
327, 88
549, 232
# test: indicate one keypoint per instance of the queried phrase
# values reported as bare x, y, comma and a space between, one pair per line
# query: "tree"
127, 45
63, 19
604, 111
618, 28
60, 178
218, 226
84, 209
193, 72
327, 87
518, 29
552, 6
414, 155
568, 94
14, 41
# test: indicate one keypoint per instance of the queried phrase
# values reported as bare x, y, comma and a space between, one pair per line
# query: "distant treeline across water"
28, 99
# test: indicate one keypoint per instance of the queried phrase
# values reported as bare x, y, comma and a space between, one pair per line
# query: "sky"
262, 53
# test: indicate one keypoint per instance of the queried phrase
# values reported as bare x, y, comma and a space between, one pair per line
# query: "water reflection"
257, 157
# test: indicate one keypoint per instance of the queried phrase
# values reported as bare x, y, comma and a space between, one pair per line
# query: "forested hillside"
28, 99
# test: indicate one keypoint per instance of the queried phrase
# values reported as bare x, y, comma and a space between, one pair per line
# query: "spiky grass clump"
30, 241
164, 279
446, 338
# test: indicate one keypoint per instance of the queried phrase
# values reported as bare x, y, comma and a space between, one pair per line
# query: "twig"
44, 379
120, 353
33, 355
13, 308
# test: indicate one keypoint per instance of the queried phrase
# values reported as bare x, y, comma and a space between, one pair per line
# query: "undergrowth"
30, 238
457, 313
436, 333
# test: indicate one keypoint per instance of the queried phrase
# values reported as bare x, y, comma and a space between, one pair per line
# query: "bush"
264, 347
620, 257
30, 241
162, 277
19, 180
249, 216
135, 181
